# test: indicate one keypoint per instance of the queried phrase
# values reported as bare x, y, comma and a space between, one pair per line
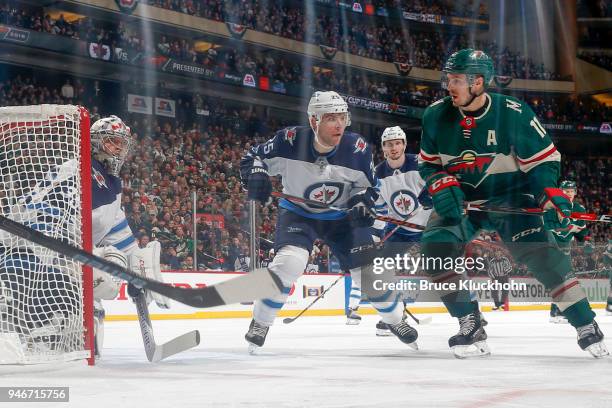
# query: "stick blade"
288, 320
177, 345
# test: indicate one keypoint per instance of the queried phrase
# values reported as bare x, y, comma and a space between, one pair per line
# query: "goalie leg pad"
146, 262
288, 264
105, 285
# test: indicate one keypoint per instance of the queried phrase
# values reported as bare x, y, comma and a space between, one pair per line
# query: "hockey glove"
447, 197
361, 208
259, 185
558, 209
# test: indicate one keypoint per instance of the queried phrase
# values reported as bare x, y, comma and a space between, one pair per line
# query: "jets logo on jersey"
99, 178
404, 202
290, 135
360, 146
326, 193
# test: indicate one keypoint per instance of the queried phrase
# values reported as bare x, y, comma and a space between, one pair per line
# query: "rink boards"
533, 296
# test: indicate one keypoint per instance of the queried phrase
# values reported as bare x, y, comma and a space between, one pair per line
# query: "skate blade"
383, 333
609, 312
558, 320
598, 350
253, 349
478, 349
352, 322
414, 345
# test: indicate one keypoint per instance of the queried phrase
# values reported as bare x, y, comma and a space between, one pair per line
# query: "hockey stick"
257, 284
154, 351
288, 320
314, 203
422, 320
535, 211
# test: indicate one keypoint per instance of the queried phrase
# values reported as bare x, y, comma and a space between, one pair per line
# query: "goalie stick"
257, 284
154, 351
314, 203
535, 211
288, 320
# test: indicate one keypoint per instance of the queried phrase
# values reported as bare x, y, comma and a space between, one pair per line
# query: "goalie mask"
111, 141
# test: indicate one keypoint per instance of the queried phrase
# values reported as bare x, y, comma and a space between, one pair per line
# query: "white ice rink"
321, 362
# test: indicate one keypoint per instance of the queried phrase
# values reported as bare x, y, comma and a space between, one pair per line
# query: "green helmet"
471, 62
567, 184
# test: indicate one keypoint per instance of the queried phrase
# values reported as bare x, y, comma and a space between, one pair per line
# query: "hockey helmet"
392, 133
111, 141
470, 62
567, 184
323, 102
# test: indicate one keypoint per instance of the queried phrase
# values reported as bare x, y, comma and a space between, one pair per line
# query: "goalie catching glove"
447, 196
558, 209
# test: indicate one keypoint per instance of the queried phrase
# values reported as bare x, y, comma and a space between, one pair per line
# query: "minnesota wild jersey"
501, 153
576, 229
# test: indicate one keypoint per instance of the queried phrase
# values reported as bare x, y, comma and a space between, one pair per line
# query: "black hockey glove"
361, 208
259, 185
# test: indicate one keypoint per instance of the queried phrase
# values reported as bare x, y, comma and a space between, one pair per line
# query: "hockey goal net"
46, 304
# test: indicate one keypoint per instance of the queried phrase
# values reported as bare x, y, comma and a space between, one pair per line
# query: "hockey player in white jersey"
325, 163
112, 237
401, 193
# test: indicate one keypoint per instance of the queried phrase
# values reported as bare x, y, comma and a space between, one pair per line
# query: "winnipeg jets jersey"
44, 208
402, 191
330, 178
108, 222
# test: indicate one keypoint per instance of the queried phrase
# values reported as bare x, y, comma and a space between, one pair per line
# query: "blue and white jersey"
330, 178
108, 223
401, 191
44, 209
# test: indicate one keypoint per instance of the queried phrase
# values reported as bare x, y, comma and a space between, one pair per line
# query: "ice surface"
321, 362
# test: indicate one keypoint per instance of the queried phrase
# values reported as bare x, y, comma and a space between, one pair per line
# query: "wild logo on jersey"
404, 202
326, 193
470, 167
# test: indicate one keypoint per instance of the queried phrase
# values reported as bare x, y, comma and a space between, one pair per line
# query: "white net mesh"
41, 292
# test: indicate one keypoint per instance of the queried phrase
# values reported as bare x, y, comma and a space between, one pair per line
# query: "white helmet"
323, 102
111, 127
392, 133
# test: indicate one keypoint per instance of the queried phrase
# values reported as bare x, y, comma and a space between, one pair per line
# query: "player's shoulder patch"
437, 107
360, 145
355, 142
508, 102
290, 135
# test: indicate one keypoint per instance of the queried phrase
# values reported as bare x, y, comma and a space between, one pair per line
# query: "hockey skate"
471, 339
556, 316
382, 329
590, 338
406, 333
352, 318
256, 336
99, 315
609, 307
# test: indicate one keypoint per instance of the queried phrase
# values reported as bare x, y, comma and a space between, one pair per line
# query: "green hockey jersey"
503, 152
